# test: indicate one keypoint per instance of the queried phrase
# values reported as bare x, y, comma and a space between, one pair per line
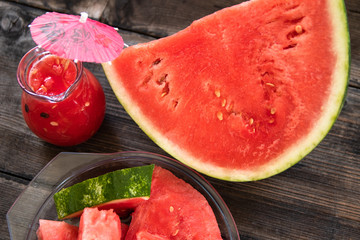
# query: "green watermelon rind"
298, 151
120, 185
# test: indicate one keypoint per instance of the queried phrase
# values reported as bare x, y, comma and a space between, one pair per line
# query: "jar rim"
33, 55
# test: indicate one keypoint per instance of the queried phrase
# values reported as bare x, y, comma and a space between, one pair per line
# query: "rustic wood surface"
318, 198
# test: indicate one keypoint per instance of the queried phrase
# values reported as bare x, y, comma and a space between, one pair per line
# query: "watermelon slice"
244, 93
175, 210
121, 190
103, 224
56, 230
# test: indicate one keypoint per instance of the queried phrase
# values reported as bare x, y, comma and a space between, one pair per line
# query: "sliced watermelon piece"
56, 230
121, 190
244, 93
175, 210
99, 224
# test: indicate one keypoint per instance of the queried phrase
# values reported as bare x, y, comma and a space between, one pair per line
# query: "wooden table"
319, 198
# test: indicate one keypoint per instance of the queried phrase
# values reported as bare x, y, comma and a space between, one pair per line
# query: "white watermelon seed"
251, 121
219, 116
217, 92
298, 29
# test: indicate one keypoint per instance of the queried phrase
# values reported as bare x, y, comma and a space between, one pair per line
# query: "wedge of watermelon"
175, 210
244, 93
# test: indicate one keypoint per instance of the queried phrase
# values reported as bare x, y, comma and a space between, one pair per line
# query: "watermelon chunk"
121, 190
56, 230
244, 93
99, 224
175, 210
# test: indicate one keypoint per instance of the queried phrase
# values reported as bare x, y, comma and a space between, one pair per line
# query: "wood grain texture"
318, 198
94, 8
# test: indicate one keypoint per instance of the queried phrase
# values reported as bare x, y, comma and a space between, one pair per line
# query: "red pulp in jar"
69, 121
52, 75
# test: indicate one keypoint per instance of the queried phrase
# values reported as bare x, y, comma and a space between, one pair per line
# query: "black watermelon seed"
44, 115
26, 108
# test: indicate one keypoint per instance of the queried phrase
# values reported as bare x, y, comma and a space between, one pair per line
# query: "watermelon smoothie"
62, 102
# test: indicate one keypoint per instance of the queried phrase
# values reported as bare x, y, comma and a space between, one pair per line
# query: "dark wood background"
319, 198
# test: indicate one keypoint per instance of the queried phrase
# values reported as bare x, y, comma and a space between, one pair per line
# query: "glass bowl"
36, 201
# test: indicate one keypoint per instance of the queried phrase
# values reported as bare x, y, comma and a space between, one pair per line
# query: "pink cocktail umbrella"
76, 37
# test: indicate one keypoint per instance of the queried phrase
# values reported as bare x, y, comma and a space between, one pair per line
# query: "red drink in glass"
62, 102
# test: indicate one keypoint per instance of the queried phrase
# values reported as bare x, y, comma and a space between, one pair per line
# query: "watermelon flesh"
56, 230
244, 93
175, 210
99, 224
124, 229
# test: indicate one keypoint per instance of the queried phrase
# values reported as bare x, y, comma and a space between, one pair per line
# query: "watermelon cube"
56, 230
99, 224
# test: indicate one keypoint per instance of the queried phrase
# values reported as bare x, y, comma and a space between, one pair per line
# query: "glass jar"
68, 118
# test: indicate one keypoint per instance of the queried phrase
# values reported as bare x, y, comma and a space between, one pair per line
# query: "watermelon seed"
272, 111
175, 103
26, 108
87, 104
270, 84
55, 124
217, 92
157, 61
45, 129
44, 115
162, 79
176, 232
223, 103
271, 120
147, 79
290, 46
220, 116
251, 121
171, 209
165, 90
298, 29
296, 32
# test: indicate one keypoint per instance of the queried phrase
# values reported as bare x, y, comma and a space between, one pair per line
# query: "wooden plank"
94, 8
10, 189
159, 18
354, 28
352, 5
162, 18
